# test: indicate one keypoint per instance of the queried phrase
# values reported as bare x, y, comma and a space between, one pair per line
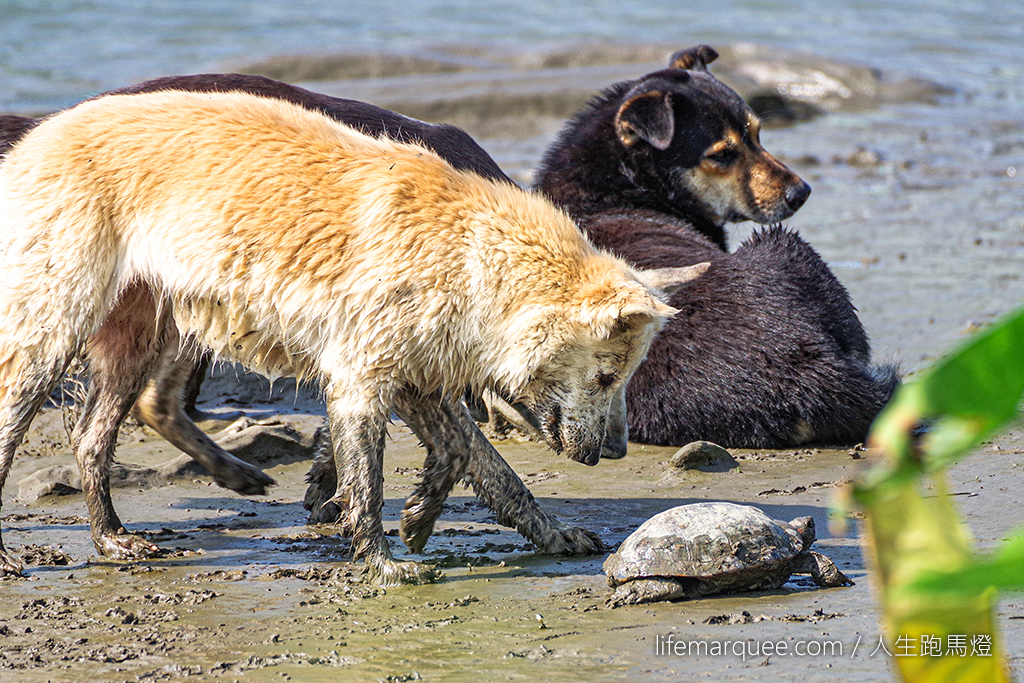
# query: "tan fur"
754, 187
295, 245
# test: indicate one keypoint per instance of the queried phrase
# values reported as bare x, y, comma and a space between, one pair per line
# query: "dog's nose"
796, 195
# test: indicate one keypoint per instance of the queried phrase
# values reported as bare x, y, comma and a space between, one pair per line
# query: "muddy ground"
923, 226
246, 589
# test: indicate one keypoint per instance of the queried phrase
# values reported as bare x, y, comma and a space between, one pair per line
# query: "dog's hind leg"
457, 448
160, 407
121, 354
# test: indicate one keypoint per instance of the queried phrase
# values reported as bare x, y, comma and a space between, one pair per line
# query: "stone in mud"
704, 456
862, 157
59, 480
265, 441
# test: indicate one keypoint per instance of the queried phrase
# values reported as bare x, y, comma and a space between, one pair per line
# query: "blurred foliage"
938, 594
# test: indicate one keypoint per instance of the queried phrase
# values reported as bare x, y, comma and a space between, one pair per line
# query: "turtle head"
805, 527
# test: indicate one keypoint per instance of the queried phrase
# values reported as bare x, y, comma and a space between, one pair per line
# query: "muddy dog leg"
358, 432
455, 442
120, 354
456, 449
24, 387
160, 407
449, 452
324, 500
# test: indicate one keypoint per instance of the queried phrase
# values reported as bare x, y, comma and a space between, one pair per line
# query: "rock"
62, 480
862, 157
704, 456
265, 441
59, 480
182, 467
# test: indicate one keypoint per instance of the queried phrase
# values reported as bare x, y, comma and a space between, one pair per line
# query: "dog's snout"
589, 457
797, 194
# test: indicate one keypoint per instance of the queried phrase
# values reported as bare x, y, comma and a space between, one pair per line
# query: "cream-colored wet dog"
288, 242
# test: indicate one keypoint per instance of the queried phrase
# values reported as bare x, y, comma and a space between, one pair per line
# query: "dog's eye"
723, 156
606, 379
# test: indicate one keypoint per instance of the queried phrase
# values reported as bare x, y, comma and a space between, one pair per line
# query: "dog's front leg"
358, 432
457, 445
436, 421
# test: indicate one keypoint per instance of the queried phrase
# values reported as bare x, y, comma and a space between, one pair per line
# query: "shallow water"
55, 52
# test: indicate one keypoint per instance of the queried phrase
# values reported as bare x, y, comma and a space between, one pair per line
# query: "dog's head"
701, 141
586, 348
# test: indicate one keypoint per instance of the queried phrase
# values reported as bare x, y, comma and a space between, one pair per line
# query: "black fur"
767, 350
589, 170
12, 128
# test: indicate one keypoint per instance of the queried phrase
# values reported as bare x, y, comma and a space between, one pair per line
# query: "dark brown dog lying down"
767, 351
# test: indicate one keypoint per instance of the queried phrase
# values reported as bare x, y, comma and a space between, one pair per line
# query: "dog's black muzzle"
796, 195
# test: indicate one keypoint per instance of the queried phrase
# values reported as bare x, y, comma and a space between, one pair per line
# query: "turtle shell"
706, 541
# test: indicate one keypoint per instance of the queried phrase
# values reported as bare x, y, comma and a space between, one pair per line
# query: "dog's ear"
668, 281
693, 59
646, 114
610, 309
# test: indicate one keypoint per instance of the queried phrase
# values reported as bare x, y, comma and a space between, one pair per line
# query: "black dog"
767, 351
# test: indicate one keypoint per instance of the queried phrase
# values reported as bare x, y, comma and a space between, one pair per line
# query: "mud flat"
915, 208
245, 588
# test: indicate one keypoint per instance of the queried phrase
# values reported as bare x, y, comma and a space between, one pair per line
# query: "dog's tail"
887, 378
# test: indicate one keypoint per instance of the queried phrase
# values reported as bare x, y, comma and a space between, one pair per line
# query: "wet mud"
244, 588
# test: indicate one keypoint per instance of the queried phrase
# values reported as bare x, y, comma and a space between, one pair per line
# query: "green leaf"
969, 394
910, 537
1003, 570
931, 582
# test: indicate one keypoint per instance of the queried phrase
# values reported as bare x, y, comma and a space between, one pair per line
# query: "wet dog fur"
96, 177
767, 351
456, 449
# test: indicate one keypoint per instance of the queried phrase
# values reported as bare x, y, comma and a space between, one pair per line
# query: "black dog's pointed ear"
646, 114
693, 59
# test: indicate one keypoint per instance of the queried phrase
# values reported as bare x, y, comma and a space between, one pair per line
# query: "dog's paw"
325, 509
331, 513
417, 523
9, 564
241, 477
394, 573
125, 546
572, 540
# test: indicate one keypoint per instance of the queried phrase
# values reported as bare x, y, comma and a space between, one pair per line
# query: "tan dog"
288, 242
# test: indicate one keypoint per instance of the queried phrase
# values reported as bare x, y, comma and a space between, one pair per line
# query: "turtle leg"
822, 570
652, 589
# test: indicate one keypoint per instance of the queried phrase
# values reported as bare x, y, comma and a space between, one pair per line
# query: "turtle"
715, 547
